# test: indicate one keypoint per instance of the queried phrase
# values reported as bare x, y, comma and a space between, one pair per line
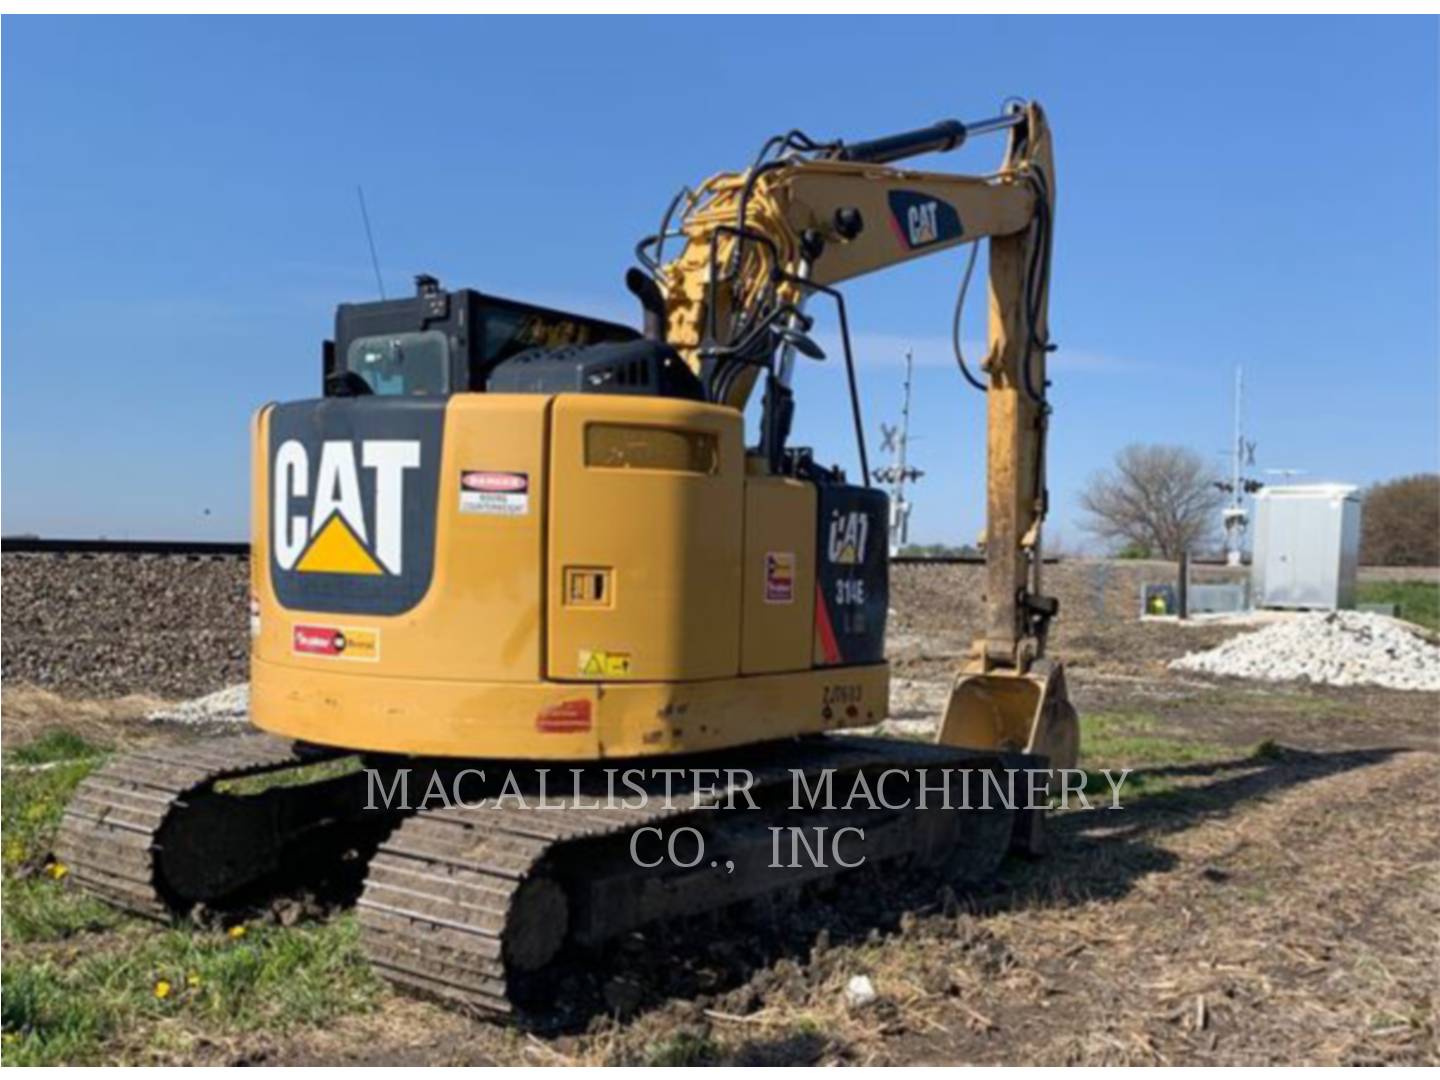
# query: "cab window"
402, 364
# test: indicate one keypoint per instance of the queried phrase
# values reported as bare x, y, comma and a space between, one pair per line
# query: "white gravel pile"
1342, 648
228, 706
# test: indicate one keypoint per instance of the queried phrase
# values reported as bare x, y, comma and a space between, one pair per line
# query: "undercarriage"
481, 878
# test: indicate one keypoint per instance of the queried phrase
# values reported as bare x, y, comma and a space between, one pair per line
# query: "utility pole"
1242, 453
899, 472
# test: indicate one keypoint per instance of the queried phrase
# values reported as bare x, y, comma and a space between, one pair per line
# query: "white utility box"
1307, 546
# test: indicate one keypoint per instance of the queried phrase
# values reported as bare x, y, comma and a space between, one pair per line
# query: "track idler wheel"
538, 921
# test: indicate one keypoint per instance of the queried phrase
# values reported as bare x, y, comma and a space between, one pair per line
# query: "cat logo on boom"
333, 537
921, 220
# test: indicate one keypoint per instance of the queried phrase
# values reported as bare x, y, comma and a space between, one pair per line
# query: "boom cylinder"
938, 138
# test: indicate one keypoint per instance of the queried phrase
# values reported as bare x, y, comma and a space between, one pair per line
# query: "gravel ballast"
230, 705
176, 627
1342, 648
108, 625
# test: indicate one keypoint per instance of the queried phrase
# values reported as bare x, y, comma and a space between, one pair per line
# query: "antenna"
1242, 455
897, 441
370, 239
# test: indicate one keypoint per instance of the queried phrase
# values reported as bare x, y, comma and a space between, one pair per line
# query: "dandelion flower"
162, 989
237, 932
57, 870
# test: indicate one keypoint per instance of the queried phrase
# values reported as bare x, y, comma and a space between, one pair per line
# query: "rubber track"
107, 840
440, 892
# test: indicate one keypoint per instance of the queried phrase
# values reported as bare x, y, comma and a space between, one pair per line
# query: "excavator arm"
757, 245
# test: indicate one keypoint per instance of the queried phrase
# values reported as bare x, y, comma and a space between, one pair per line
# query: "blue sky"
180, 220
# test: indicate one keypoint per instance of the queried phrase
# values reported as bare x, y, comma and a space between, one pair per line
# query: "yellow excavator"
533, 554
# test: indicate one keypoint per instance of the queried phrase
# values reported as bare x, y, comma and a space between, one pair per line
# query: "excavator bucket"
1030, 713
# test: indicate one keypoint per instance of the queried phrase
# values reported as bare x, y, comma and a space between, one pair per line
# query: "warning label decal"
601, 664
501, 494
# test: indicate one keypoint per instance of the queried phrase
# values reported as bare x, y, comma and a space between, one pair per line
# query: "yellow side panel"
779, 611
646, 505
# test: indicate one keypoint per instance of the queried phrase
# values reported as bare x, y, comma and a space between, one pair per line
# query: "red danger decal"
567, 716
495, 481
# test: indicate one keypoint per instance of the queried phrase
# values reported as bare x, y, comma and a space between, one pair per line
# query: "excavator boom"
759, 244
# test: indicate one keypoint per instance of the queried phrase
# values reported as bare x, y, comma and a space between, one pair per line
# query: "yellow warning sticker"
602, 664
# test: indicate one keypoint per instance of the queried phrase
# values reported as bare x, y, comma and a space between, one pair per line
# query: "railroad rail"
952, 560
36, 545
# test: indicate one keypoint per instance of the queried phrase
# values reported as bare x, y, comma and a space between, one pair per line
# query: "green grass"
55, 745
1419, 601
270, 979
80, 979
292, 777
36, 907
1133, 740
31, 809
39, 909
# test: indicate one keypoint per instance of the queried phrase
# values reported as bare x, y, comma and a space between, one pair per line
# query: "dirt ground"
1269, 897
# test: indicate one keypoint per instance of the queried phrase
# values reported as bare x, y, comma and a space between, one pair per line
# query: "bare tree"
1161, 500
1400, 525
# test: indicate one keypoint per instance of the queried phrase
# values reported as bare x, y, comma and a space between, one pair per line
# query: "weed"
683, 1048
272, 979
44, 1022
57, 744
37, 909
1267, 750
33, 804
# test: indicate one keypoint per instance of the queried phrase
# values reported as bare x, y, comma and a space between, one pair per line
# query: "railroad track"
36, 545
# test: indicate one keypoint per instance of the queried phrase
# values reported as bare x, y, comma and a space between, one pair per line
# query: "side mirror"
802, 343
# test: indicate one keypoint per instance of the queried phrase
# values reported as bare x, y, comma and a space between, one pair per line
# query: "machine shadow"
733, 960
1100, 853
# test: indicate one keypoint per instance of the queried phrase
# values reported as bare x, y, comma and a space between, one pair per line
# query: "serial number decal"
843, 694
